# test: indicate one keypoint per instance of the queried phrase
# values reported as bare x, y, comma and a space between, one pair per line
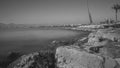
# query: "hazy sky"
54, 11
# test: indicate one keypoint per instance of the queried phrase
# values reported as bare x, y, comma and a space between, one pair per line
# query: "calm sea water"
31, 40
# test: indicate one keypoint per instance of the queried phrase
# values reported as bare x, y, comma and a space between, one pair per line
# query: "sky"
55, 11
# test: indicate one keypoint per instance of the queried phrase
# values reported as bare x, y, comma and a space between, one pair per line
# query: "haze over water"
31, 40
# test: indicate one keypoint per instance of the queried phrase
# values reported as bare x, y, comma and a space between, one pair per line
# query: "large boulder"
74, 57
70, 57
103, 37
113, 34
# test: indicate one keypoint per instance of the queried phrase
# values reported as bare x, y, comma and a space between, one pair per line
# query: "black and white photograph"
59, 33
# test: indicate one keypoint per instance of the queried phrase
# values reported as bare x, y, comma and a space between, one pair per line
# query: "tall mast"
90, 17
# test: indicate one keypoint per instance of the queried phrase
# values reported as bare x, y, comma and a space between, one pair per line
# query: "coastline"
100, 47
51, 46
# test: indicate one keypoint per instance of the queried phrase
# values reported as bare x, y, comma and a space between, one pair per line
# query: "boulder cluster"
101, 49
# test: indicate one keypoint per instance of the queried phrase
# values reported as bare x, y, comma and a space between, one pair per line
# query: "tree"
116, 7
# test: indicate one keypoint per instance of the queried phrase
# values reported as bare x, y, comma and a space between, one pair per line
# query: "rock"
95, 40
110, 51
56, 43
81, 42
110, 63
112, 34
105, 42
118, 60
69, 57
83, 39
34, 60
103, 37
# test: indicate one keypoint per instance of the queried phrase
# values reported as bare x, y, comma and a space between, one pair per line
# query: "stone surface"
69, 57
103, 37
118, 62
110, 63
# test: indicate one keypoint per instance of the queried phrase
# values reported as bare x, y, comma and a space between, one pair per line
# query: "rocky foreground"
101, 49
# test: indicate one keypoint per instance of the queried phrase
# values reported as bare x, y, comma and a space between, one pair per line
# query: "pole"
90, 17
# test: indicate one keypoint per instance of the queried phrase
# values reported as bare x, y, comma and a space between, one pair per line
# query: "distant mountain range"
32, 26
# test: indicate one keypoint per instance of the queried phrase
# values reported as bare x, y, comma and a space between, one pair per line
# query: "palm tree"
116, 7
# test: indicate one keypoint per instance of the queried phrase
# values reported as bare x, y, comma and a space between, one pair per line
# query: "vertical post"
90, 17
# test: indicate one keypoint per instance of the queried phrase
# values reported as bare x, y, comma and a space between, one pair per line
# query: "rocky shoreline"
100, 49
